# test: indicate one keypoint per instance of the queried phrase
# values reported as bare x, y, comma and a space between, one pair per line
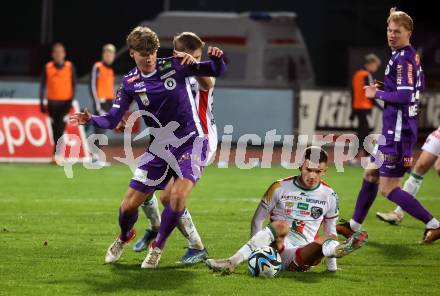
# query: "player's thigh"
437, 166
388, 184
424, 163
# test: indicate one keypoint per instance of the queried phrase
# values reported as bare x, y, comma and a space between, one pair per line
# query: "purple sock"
126, 223
409, 204
365, 199
169, 221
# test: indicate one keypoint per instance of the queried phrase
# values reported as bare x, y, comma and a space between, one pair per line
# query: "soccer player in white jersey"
202, 88
297, 206
429, 157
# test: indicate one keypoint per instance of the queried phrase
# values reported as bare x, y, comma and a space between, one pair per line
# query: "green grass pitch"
55, 231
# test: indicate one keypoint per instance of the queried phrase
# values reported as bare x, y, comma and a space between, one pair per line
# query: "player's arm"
42, 90
206, 83
74, 80
112, 118
212, 68
93, 93
331, 216
405, 85
266, 205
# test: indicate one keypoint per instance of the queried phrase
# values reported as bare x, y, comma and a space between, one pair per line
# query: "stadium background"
54, 230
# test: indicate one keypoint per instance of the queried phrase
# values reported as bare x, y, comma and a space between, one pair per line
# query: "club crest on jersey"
144, 98
316, 212
170, 83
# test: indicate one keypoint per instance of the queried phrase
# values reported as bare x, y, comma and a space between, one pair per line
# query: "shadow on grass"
308, 277
395, 251
130, 277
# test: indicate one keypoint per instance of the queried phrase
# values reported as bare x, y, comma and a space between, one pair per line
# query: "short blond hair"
187, 41
401, 18
143, 40
372, 58
109, 47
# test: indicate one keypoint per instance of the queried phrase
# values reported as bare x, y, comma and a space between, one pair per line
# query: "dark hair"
58, 44
143, 40
187, 41
313, 152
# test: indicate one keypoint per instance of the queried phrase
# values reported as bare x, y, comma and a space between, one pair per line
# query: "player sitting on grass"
297, 206
429, 157
202, 90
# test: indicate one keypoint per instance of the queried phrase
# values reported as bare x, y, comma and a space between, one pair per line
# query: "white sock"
412, 186
331, 264
151, 211
354, 225
261, 239
433, 224
187, 228
328, 248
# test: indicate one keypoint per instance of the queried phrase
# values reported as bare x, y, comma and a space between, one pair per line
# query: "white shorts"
432, 143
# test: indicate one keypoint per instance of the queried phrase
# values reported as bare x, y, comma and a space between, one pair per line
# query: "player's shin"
412, 186
412, 206
151, 211
365, 199
188, 230
126, 223
170, 219
261, 239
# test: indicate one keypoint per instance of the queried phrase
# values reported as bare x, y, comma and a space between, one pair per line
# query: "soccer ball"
264, 262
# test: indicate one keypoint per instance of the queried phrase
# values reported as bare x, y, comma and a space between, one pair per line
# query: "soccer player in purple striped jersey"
161, 89
403, 85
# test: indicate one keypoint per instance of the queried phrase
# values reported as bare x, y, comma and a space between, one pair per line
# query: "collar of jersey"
297, 184
148, 75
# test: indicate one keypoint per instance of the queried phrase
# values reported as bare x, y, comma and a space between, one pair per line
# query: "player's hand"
80, 117
187, 59
121, 126
43, 108
370, 91
215, 52
379, 84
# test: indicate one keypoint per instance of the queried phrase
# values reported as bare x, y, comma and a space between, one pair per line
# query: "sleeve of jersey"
214, 67
113, 117
331, 216
404, 82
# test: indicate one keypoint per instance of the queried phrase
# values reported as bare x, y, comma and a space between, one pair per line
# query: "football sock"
409, 204
126, 223
261, 239
365, 199
170, 219
354, 225
433, 224
331, 264
328, 247
412, 186
151, 211
187, 228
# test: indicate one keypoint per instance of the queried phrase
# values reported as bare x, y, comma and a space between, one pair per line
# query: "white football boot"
391, 217
114, 252
153, 257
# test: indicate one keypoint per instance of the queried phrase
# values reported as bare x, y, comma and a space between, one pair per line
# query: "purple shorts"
396, 157
159, 166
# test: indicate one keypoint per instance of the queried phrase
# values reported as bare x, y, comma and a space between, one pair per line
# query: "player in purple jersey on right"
403, 84
162, 91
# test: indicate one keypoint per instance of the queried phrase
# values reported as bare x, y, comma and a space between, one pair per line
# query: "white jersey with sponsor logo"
204, 101
304, 209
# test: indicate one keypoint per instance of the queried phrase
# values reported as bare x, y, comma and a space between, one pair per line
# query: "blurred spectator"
361, 105
58, 82
102, 80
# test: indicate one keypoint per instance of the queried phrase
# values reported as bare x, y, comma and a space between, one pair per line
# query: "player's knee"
371, 176
164, 198
281, 228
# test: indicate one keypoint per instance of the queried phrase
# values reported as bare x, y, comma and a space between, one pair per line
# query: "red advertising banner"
26, 133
